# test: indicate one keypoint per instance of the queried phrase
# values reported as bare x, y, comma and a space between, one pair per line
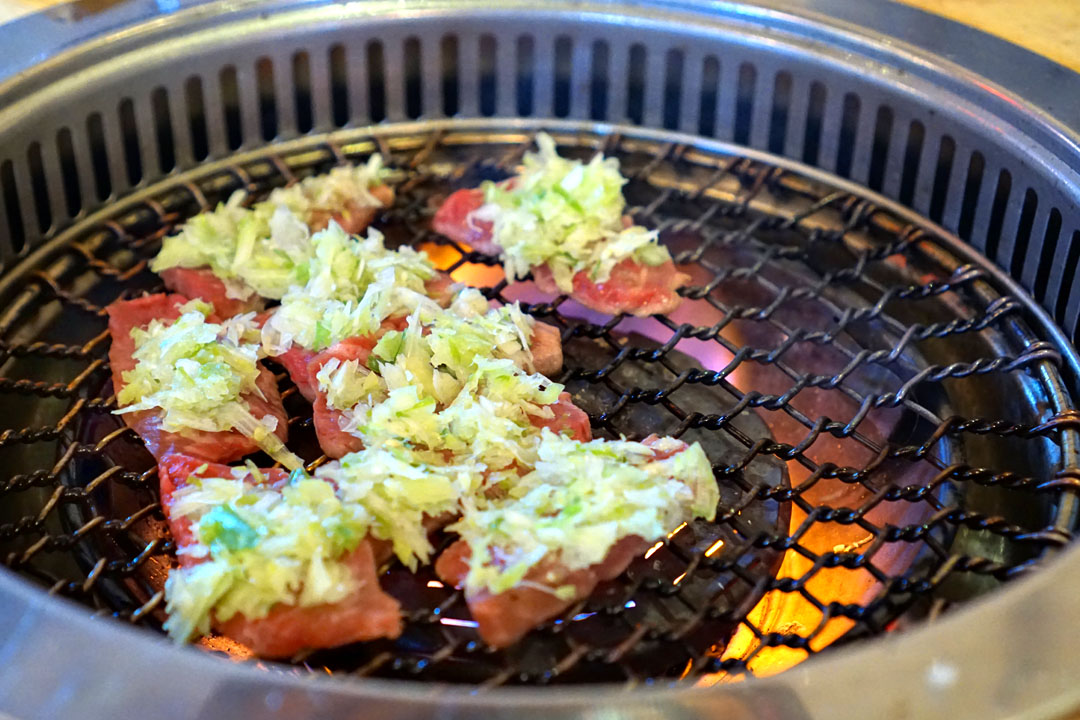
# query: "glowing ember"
473, 274
231, 648
714, 548
777, 612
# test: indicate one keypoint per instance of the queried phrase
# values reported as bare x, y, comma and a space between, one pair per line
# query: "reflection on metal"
889, 414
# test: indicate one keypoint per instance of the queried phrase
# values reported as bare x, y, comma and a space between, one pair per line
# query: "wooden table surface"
1049, 27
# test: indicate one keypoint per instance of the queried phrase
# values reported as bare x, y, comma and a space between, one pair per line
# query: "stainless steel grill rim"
942, 676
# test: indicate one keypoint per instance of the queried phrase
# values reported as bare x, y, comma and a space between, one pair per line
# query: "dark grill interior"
884, 425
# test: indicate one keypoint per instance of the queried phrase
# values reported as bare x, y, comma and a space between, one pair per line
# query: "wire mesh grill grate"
890, 437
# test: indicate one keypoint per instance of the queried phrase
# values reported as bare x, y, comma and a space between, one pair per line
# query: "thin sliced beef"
124, 315
368, 613
173, 473
334, 441
203, 284
452, 220
504, 618
569, 420
546, 347
354, 217
296, 359
633, 287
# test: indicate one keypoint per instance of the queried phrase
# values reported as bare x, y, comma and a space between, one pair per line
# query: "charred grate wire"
878, 403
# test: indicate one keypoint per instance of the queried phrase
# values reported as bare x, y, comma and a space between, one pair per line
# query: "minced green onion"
578, 501
264, 250
353, 285
567, 215
195, 374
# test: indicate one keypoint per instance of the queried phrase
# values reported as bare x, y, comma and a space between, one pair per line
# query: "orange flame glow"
777, 612
443, 258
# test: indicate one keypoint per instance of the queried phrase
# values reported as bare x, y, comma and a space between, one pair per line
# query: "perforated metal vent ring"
890, 417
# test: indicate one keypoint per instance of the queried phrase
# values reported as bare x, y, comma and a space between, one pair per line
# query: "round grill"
883, 423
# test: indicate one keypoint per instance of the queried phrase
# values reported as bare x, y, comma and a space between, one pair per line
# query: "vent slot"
997, 213
1047, 254
39, 187
779, 115
448, 55
488, 93
879, 153
230, 108
635, 84
376, 82
268, 117
69, 172
912, 155
196, 113
563, 68
849, 123
600, 83
12, 207
413, 61
526, 75
744, 103
972, 185
339, 86
815, 123
301, 72
673, 88
943, 170
129, 133
1023, 232
166, 149
710, 94
99, 156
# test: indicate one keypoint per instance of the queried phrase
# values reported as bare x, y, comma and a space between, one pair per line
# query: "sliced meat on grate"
354, 217
452, 220
124, 315
545, 344
203, 284
569, 420
174, 470
633, 287
296, 359
368, 613
335, 442
504, 618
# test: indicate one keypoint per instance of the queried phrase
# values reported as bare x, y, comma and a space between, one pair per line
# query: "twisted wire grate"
890, 437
